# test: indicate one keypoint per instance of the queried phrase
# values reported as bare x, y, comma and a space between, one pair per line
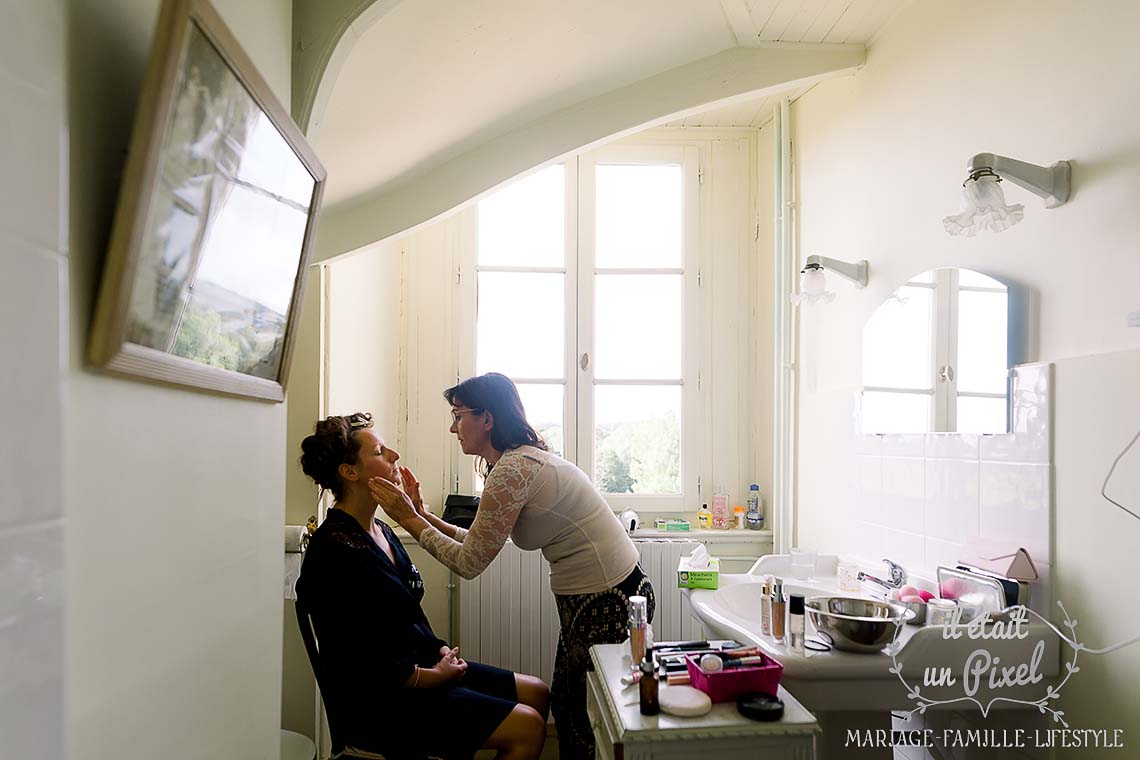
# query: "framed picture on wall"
205, 271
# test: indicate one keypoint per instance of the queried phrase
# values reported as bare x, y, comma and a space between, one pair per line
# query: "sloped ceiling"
433, 81
436, 76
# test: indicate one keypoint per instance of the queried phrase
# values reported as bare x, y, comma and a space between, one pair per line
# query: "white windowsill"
733, 535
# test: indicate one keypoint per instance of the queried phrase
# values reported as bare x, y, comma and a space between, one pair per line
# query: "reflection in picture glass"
225, 229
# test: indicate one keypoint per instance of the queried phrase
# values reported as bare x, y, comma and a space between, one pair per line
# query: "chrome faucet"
897, 576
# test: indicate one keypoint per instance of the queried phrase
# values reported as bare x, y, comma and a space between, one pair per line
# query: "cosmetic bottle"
796, 623
720, 516
778, 613
738, 517
766, 608
650, 704
704, 517
754, 518
638, 618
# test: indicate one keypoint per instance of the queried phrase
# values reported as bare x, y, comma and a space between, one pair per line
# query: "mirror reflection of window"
936, 355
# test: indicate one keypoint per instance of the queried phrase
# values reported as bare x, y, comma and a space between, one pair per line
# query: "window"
952, 375
586, 283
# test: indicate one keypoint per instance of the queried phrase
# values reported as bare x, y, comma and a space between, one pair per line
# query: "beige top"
542, 502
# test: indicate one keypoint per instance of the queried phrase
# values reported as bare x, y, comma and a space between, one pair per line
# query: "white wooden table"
623, 733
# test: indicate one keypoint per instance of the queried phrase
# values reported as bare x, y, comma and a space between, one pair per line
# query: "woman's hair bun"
331, 445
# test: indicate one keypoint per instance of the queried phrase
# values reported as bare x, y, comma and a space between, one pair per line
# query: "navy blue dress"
372, 633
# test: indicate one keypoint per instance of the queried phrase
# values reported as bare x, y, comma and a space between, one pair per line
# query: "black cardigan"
367, 616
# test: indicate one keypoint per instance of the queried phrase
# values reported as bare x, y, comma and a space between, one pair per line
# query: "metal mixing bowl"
856, 625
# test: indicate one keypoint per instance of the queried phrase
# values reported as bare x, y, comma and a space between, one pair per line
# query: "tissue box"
703, 577
667, 525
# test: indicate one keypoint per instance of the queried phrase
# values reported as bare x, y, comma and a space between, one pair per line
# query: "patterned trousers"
588, 619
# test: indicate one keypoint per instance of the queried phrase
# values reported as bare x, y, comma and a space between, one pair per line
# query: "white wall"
880, 158
175, 499
1097, 414
33, 344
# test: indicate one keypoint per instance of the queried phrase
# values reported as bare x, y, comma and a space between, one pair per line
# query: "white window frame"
944, 391
578, 413
691, 402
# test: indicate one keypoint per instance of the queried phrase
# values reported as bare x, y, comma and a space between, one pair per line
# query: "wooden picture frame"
205, 272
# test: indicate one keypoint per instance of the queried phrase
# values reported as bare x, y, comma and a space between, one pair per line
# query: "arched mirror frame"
1020, 349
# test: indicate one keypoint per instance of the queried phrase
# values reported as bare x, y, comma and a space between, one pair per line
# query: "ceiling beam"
719, 80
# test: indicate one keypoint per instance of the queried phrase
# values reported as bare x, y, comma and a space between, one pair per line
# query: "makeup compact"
758, 705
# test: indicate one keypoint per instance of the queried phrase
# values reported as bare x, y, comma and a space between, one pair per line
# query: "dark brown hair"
332, 444
496, 394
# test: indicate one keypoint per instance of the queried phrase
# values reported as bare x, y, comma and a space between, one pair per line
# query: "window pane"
982, 351
981, 415
970, 278
543, 405
637, 439
638, 216
524, 223
637, 334
897, 341
896, 412
519, 327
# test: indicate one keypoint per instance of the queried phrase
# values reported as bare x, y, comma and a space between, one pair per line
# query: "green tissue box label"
701, 578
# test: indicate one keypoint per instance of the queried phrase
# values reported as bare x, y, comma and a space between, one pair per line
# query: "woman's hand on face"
412, 489
392, 500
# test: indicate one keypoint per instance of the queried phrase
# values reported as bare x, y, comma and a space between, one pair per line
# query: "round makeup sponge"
684, 701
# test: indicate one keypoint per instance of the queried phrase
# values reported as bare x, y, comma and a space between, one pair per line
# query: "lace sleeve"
504, 495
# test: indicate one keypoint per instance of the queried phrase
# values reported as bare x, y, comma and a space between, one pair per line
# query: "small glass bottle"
778, 607
796, 623
766, 609
650, 704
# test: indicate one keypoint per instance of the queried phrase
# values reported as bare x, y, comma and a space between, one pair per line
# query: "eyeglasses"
457, 413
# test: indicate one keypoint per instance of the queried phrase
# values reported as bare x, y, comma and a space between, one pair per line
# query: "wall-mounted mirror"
937, 353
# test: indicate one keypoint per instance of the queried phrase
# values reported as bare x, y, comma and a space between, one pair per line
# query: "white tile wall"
33, 343
918, 499
1014, 505
951, 499
903, 490
869, 489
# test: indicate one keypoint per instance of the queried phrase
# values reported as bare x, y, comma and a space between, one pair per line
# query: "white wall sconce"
813, 281
983, 202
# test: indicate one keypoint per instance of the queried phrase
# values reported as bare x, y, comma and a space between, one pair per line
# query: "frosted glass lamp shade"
983, 208
813, 287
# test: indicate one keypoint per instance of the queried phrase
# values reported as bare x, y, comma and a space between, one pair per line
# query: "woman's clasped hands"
450, 665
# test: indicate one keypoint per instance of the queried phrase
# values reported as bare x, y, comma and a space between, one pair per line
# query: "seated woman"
395, 688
